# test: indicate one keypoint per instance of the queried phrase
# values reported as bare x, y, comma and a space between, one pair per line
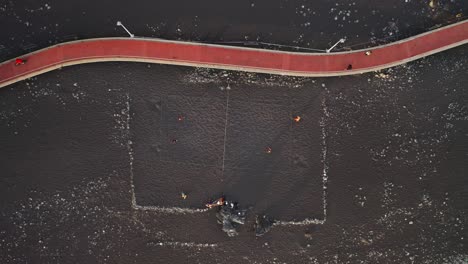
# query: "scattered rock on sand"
263, 224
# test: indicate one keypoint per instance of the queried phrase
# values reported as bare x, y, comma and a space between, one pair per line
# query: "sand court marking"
323, 120
225, 129
183, 244
224, 137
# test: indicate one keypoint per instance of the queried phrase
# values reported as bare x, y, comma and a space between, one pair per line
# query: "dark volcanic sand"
396, 153
396, 141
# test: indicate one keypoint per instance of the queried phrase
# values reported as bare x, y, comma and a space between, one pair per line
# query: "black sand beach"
384, 152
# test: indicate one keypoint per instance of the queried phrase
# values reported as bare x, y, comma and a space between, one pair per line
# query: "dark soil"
71, 140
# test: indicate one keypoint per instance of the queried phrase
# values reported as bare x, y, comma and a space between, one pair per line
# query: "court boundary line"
181, 210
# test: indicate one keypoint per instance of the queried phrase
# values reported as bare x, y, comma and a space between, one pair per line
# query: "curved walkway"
234, 58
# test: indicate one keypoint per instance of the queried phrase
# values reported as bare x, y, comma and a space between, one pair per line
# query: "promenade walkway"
234, 58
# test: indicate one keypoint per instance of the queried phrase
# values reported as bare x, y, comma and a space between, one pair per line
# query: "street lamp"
121, 25
332, 47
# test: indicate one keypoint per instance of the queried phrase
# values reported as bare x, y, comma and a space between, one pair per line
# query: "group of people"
231, 216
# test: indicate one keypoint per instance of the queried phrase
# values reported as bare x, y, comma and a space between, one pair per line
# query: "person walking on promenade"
19, 61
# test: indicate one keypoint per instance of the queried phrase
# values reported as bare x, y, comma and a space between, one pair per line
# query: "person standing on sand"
297, 119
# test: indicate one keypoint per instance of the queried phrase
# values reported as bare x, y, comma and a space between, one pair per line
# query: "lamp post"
332, 47
121, 25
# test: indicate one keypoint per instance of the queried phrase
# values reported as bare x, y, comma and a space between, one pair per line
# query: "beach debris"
180, 118
230, 216
183, 195
382, 75
262, 225
268, 150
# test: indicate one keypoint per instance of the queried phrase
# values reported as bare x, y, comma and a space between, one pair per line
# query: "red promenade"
234, 58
